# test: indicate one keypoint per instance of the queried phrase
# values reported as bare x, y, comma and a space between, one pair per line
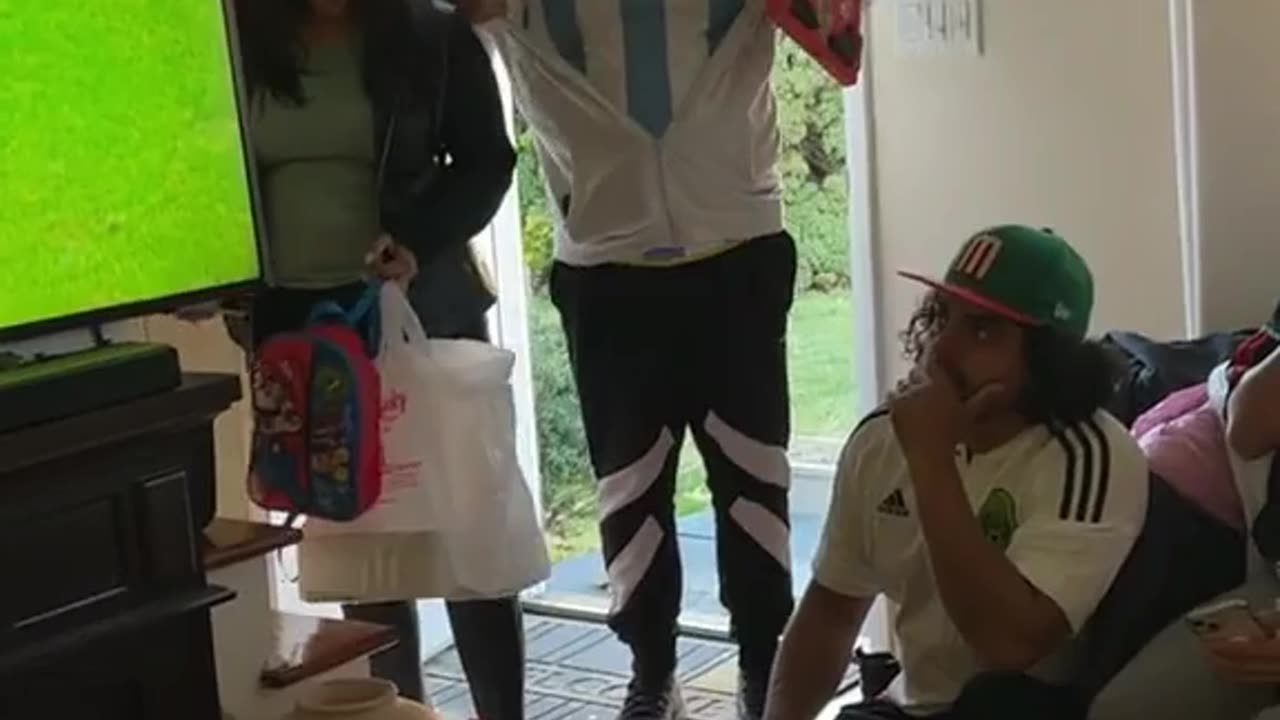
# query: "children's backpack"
317, 447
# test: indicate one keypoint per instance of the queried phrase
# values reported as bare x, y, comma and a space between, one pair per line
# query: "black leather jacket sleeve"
479, 160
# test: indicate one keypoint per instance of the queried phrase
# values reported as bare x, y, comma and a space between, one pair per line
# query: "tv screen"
123, 178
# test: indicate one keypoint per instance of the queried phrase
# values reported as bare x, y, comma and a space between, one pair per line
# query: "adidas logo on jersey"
895, 504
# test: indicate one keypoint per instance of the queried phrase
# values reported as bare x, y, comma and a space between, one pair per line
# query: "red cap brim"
973, 297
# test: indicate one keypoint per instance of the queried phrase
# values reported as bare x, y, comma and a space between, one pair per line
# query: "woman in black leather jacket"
380, 147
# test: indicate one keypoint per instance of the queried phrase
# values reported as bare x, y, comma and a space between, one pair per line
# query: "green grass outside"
820, 350
122, 176
820, 353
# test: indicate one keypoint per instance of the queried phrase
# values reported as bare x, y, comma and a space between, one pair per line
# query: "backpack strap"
327, 311
363, 316
366, 315
365, 305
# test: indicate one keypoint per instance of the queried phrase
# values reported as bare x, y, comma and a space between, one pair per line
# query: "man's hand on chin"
929, 415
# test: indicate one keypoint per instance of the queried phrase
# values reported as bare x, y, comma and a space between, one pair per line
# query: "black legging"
489, 634
490, 641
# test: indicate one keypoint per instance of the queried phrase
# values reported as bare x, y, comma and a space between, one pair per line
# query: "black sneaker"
643, 703
752, 692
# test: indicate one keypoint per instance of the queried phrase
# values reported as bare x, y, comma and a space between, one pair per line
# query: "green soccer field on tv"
122, 173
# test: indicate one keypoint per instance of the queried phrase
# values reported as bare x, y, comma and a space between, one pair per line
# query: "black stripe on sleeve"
1086, 474
879, 412
1069, 477
1104, 469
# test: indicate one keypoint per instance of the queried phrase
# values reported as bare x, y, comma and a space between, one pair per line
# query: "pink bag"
1184, 440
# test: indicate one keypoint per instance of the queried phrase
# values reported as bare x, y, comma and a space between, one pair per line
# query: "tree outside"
821, 353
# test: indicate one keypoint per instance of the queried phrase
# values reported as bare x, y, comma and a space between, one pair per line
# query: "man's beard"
967, 389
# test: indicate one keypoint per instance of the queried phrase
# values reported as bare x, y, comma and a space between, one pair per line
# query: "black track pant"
697, 347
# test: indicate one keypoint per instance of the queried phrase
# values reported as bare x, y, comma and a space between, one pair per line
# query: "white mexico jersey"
1065, 505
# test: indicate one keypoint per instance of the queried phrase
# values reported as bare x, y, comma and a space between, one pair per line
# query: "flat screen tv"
124, 182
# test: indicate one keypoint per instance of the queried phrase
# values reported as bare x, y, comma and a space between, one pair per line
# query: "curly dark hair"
925, 324
1068, 379
270, 40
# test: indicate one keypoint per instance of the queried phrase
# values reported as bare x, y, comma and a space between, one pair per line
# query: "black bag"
1154, 369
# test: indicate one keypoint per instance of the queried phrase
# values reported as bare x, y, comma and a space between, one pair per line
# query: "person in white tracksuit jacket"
655, 124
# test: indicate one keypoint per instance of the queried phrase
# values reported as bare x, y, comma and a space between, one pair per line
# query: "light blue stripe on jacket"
645, 48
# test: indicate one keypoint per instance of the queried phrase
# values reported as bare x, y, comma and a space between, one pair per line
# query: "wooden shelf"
305, 646
227, 542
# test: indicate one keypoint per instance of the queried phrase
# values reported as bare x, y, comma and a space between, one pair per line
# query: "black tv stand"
51, 388
105, 613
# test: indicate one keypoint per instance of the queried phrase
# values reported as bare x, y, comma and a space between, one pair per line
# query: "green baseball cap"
1030, 276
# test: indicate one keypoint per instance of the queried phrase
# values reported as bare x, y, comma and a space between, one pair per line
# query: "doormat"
578, 671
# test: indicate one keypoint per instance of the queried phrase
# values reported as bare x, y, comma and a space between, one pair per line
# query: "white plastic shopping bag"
500, 548
456, 519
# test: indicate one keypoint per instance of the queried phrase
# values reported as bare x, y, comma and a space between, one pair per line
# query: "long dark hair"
270, 35
1068, 379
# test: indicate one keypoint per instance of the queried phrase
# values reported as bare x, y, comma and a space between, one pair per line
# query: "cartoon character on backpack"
274, 412
317, 445
278, 428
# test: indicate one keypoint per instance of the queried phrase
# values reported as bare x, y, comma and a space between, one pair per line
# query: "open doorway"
573, 661
832, 383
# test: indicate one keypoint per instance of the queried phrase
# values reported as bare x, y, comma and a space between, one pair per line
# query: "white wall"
206, 347
1236, 131
1065, 120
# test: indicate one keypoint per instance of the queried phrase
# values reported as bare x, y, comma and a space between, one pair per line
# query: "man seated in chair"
992, 500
